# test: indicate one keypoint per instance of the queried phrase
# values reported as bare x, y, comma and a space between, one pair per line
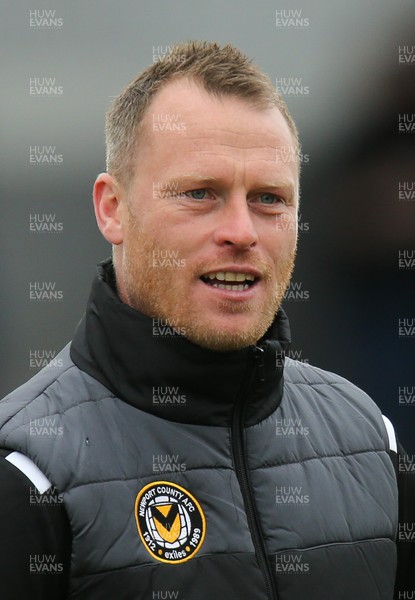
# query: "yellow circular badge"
170, 522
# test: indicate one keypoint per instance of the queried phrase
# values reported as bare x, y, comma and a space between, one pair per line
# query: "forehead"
184, 121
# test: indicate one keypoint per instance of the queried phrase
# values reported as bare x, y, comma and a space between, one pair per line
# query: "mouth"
232, 281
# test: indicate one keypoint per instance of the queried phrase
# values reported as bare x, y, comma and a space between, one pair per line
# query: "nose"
235, 225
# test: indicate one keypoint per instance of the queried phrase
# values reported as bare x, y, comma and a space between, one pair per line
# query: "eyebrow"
191, 179
197, 179
282, 184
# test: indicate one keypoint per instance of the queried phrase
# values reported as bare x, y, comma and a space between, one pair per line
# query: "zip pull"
259, 354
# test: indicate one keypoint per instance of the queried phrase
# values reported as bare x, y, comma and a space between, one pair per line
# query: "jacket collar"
145, 363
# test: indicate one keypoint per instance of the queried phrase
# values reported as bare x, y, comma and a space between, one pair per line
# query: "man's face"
210, 222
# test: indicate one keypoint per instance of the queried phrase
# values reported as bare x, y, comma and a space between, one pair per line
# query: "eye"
270, 199
198, 199
200, 194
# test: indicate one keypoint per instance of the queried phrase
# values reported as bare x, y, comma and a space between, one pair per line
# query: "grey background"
348, 260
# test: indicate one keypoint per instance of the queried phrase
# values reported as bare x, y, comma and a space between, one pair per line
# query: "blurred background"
347, 72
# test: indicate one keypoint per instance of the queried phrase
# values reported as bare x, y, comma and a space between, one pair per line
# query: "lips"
230, 280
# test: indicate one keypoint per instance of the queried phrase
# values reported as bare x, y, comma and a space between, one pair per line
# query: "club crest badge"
170, 522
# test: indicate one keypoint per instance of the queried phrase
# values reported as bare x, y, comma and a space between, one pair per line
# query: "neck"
167, 374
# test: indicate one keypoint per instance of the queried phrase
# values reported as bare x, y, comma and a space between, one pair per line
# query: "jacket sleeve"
405, 577
35, 538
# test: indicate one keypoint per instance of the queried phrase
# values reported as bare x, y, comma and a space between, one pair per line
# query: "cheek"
280, 242
286, 231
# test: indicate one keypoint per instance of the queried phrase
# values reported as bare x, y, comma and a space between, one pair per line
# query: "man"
168, 468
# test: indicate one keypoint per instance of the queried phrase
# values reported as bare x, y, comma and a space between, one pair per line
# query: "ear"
108, 208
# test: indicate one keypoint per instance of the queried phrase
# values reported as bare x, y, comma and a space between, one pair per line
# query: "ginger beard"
159, 292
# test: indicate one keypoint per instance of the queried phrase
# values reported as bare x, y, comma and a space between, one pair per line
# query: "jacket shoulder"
302, 373
56, 388
329, 398
326, 385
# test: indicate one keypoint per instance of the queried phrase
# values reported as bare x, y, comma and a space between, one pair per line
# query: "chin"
220, 345
226, 339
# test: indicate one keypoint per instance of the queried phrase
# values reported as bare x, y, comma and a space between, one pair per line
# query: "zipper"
242, 471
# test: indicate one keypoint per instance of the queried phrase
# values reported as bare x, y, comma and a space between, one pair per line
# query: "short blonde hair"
220, 70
